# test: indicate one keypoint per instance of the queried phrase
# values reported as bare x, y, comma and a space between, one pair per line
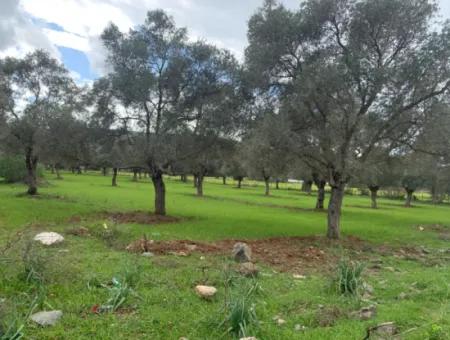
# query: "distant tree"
351, 75
265, 150
34, 90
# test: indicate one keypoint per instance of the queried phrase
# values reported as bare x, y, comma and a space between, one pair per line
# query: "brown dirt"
287, 254
139, 217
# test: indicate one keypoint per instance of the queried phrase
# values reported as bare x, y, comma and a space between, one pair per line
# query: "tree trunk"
160, 193
140, 174
58, 174
114, 177
104, 171
31, 165
195, 181
79, 170
200, 184
135, 173
374, 195
320, 194
334, 211
239, 183
277, 184
183, 178
53, 169
267, 184
224, 180
409, 197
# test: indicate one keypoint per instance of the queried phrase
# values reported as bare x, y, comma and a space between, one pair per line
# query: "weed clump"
349, 277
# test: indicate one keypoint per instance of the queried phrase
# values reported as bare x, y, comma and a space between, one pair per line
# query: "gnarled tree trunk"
195, 180
267, 185
224, 180
320, 194
239, 180
409, 197
31, 165
160, 192
334, 210
135, 175
104, 172
114, 177
200, 184
58, 174
374, 195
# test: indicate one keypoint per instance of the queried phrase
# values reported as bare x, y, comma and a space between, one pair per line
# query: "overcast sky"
69, 29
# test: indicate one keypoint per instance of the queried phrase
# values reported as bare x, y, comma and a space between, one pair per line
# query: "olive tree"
34, 90
351, 75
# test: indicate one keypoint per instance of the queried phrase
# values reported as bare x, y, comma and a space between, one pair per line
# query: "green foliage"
13, 170
349, 280
240, 312
436, 332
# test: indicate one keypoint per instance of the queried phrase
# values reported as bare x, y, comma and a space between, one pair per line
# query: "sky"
70, 29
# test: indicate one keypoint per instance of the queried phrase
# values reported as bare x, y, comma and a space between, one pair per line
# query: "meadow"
405, 253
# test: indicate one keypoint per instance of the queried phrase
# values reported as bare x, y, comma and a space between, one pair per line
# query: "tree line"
338, 93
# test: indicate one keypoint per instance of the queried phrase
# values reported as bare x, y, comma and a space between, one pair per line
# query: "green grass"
164, 305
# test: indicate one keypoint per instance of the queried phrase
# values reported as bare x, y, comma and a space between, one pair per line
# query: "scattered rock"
47, 318
299, 328
191, 247
205, 292
298, 276
148, 254
281, 322
367, 288
248, 269
382, 331
366, 313
391, 269
178, 253
49, 238
202, 258
248, 338
242, 252
402, 296
183, 338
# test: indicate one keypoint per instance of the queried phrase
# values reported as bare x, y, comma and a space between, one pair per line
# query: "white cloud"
67, 39
222, 22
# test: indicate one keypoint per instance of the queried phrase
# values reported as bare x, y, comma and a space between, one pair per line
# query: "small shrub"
13, 170
240, 306
349, 280
436, 332
118, 294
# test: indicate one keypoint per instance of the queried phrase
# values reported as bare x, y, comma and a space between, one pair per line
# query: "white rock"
148, 254
299, 277
248, 338
299, 328
49, 238
205, 292
47, 318
281, 322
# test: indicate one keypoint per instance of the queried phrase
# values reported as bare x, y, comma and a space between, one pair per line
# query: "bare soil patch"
286, 254
138, 217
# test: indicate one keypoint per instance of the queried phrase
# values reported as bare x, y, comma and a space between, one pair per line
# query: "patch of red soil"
287, 254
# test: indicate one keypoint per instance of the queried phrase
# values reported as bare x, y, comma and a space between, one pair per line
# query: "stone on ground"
205, 292
366, 313
382, 331
248, 338
47, 318
148, 254
49, 238
248, 269
242, 252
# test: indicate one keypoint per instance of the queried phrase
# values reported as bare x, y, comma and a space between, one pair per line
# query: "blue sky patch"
77, 61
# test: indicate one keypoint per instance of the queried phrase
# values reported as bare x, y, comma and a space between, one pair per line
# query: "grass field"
405, 253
